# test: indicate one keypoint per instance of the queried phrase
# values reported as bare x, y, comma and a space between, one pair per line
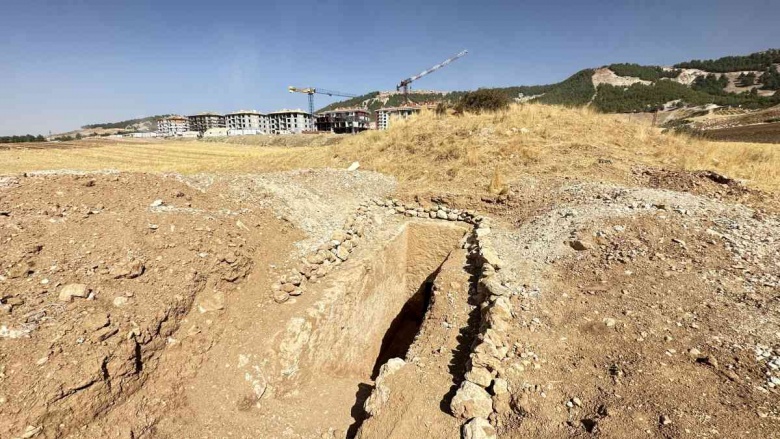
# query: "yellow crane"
311, 92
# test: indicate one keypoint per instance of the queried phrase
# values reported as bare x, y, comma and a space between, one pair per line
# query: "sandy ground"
665, 325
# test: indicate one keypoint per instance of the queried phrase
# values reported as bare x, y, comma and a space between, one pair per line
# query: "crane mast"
403, 86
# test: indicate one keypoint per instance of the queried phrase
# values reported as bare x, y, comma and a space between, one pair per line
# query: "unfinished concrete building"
172, 126
247, 122
384, 116
290, 121
350, 120
202, 122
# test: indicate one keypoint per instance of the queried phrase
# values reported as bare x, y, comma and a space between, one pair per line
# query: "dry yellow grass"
428, 150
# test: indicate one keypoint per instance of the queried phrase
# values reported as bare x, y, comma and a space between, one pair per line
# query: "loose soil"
644, 309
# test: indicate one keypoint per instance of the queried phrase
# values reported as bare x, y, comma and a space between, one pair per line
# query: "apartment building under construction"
290, 122
350, 120
247, 122
203, 122
172, 126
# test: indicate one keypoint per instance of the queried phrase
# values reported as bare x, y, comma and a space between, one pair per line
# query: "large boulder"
471, 401
479, 428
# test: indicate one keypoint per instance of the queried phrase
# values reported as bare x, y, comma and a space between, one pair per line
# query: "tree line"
22, 139
754, 61
125, 123
647, 73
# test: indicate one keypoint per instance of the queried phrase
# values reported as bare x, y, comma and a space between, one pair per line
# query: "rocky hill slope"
749, 81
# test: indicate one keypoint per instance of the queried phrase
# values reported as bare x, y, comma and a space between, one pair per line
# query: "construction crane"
311, 91
403, 86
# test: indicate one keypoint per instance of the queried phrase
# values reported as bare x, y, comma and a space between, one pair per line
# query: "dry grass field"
428, 150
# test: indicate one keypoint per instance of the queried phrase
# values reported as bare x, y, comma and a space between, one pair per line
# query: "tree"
746, 80
481, 100
771, 79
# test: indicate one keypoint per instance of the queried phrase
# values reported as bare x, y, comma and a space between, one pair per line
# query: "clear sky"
67, 63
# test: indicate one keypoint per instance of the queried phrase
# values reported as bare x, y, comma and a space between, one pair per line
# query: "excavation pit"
370, 311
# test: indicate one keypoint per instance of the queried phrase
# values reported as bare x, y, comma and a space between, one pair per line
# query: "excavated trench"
371, 311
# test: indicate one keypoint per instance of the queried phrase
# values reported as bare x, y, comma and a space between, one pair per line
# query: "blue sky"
68, 63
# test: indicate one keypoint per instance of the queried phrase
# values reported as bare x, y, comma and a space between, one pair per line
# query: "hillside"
749, 82
140, 124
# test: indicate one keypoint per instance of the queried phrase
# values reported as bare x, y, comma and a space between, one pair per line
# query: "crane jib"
407, 81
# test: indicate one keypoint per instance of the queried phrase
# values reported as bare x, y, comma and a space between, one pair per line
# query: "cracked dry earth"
156, 306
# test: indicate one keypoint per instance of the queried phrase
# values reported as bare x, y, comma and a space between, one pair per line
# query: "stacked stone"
436, 211
328, 255
484, 394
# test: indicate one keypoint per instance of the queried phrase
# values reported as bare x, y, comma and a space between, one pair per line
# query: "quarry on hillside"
609, 280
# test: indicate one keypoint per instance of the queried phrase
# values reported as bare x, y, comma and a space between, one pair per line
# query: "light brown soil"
650, 331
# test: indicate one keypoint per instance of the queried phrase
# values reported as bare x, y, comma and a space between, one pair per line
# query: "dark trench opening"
395, 344
405, 326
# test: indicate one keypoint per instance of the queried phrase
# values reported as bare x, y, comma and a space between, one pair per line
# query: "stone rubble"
337, 250
484, 392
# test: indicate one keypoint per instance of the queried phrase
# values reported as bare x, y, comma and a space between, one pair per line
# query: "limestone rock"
213, 303
280, 296
342, 253
492, 258
440, 214
495, 288
479, 428
93, 322
381, 393
69, 291
500, 386
479, 375
127, 270
339, 236
471, 401
295, 279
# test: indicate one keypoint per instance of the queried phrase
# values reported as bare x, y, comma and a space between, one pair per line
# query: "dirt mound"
96, 275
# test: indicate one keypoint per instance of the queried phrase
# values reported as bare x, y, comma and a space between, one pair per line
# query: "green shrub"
484, 99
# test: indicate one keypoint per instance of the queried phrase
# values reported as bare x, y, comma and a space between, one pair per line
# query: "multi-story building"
350, 120
172, 126
202, 122
290, 122
384, 116
247, 122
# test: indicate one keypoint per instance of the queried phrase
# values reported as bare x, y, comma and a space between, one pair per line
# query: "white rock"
471, 401
381, 393
69, 291
213, 303
492, 258
354, 166
479, 428
120, 301
500, 386
479, 375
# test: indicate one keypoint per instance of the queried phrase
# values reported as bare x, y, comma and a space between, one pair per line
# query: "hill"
140, 124
749, 82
